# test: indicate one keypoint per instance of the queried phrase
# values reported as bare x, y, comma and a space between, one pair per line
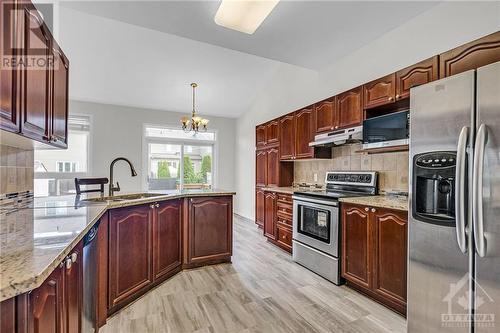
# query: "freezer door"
438, 271
487, 198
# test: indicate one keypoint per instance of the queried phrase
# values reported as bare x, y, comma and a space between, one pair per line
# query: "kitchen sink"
125, 197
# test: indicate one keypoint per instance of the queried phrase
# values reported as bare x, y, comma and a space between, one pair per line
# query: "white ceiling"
310, 34
145, 54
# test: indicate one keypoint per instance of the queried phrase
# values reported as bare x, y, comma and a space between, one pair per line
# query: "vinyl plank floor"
263, 290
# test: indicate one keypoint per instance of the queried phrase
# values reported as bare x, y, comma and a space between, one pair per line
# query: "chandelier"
196, 123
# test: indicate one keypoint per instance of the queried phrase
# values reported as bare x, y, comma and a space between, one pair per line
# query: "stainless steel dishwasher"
90, 255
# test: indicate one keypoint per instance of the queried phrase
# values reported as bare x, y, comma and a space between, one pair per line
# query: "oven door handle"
315, 201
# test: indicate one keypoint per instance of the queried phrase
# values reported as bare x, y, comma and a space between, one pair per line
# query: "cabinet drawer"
285, 209
285, 237
284, 221
285, 198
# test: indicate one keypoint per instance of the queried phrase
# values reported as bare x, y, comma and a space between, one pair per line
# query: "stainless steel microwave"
387, 130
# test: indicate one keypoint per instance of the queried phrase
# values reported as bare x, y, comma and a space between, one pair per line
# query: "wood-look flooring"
263, 290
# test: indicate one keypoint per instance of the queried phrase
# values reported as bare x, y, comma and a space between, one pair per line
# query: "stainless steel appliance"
338, 137
386, 131
316, 233
454, 224
90, 259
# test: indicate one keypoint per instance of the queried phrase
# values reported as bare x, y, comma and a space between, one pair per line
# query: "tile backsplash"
16, 170
392, 167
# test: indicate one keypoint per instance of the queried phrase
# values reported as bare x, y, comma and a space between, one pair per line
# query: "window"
56, 169
175, 159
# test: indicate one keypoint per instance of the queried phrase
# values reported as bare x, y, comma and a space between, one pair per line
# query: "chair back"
90, 181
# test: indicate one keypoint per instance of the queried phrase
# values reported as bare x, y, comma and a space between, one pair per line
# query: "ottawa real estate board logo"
461, 312
26, 42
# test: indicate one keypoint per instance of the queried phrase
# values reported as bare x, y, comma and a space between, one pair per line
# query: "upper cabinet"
424, 72
260, 136
324, 116
304, 133
473, 55
349, 108
272, 132
287, 137
380, 92
34, 100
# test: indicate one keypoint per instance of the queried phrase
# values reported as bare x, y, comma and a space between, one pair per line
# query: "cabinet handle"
336, 127
367, 209
74, 256
373, 210
157, 205
69, 263
390, 98
397, 96
152, 206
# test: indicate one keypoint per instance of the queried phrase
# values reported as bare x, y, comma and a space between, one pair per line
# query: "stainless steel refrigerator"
454, 219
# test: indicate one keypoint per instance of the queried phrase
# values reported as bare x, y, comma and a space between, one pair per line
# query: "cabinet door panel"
60, 98
45, 305
356, 259
73, 285
259, 207
167, 238
272, 132
380, 92
273, 167
129, 252
349, 110
36, 83
390, 254
210, 225
324, 116
261, 168
473, 55
260, 135
421, 73
304, 133
270, 215
287, 137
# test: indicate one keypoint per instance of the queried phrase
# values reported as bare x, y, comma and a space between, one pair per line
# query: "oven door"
316, 224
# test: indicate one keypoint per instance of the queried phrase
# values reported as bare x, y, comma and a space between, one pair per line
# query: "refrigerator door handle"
477, 190
460, 189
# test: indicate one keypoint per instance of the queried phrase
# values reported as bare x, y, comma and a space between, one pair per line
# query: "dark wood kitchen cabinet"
259, 207
472, 55
380, 92
374, 253
304, 133
287, 136
324, 116
270, 215
349, 109
424, 72
209, 231
167, 251
272, 132
60, 98
260, 136
34, 96
56, 306
261, 168
273, 167
130, 250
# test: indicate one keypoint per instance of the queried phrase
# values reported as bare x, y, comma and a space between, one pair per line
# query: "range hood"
338, 137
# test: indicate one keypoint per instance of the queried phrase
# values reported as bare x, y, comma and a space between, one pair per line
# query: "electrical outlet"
315, 177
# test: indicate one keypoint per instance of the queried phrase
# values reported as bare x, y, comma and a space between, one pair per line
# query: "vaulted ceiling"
145, 53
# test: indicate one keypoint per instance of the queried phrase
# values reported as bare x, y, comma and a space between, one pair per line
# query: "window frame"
146, 140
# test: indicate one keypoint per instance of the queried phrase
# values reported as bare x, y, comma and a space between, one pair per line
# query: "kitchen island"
141, 242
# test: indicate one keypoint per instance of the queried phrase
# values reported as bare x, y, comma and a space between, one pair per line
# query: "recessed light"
244, 15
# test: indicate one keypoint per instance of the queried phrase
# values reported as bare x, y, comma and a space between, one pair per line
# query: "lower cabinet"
277, 213
374, 253
56, 306
208, 235
270, 215
259, 207
130, 269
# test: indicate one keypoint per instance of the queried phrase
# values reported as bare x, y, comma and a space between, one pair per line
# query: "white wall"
443, 27
117, 131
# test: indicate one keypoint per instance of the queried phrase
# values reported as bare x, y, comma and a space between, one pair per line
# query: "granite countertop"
383, 201
284, 190
36, 237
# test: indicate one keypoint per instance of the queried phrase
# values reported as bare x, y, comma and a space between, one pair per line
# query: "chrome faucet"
112, 187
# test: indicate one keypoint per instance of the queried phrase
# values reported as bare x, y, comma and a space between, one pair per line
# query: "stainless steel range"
316, 217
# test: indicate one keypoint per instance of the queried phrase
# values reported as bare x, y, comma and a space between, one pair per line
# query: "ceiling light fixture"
195, 123
244, 15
